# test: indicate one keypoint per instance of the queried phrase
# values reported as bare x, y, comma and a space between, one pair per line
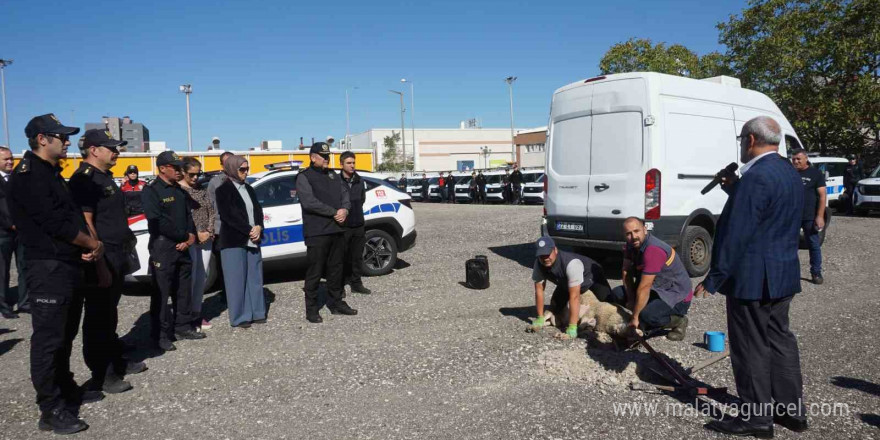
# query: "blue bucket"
714, 341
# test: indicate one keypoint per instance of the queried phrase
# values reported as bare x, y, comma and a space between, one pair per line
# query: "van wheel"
696, 250
380, 253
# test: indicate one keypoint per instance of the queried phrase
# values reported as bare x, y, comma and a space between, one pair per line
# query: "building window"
534, 148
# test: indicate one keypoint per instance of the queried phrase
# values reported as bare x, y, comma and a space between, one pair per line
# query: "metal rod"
412, 124
189, 136
510, 80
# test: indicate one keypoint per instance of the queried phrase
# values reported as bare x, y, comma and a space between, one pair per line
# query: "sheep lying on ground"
605, 319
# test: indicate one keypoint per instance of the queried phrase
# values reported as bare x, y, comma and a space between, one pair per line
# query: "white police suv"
867, 193
390, 222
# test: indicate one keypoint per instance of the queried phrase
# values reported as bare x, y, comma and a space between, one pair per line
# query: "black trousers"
55, 312
765, 358
325, 253
101, 345
517, 191
9, 248
171, 279
352, 267
482, 194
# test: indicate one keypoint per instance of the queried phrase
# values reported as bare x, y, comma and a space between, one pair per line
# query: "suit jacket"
5, 215
236, 226
755, 254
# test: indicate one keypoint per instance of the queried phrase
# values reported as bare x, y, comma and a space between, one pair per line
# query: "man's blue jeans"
811, 236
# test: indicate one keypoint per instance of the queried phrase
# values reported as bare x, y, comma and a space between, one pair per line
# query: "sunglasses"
244, 169
60, 137
194, 174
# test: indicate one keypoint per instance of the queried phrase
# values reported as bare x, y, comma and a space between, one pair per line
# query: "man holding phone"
814, 209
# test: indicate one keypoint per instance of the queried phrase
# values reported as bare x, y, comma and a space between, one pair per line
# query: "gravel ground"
428, 358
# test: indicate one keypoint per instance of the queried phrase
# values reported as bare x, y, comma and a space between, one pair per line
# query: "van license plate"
570, 227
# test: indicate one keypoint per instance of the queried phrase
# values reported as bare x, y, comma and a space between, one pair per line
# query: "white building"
530, 145
444, 149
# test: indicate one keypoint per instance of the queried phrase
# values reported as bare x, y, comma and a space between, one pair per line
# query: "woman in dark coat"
239, 244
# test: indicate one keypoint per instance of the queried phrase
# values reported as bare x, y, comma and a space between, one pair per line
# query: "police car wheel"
380, 253
696, 249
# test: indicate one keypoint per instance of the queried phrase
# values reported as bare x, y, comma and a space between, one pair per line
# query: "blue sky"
279, 70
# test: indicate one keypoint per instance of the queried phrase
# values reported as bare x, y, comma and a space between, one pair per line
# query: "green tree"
641, 55
819, 60
390, 156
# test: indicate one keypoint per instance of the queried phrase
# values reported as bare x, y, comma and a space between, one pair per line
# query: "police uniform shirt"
44, 212
167, 211
96, 192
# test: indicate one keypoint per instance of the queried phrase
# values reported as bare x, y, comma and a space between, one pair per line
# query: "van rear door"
617, 175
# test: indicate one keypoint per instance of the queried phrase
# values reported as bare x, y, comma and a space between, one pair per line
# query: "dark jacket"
450, 183
5, 215
233, 213
356, 194
321, 193
44, 213
852, 174
516, 178
755, 254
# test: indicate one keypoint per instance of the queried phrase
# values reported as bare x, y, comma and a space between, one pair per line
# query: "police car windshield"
433, 180
876, 172
533, 178
494, 178
462, 180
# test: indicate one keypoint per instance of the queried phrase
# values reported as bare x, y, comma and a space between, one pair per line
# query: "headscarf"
230, 167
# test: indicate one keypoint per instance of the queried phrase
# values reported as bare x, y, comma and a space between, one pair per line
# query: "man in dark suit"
9, 245
755, 265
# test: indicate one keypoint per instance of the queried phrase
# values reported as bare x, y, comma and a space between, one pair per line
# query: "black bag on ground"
477, 272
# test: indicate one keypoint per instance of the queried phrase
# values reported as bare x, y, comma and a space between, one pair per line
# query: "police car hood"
870, 181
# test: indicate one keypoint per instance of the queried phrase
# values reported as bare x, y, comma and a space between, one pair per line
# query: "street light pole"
509, 80
347, 120
402, 126
3, 64
187, 90
412, 120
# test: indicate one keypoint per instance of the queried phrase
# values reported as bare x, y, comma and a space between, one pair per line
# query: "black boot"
740, 428
360, 288
678, 327
61, 421
342, 308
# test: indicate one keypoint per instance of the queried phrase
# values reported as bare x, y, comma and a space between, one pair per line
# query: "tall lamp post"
412, 120
509, 80
402, 126
187, 89
486, 152
347, 120
3, 64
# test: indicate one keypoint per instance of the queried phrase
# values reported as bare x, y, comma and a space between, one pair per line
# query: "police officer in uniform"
56, 242
354, 225
103, 205
172, 232
325, 204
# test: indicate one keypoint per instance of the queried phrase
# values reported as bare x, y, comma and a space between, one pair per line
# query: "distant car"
494, 189
463, 189
533, 186
390, 223
414, 188
867, 193
434, 189
832, 168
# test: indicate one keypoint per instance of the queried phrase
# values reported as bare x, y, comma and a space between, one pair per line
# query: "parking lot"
429, 358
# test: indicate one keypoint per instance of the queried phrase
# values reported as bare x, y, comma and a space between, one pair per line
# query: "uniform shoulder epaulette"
23, 167
152, 182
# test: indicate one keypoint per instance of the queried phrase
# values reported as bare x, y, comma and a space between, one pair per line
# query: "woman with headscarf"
239, 244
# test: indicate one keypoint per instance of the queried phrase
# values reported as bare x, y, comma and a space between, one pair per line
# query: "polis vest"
556, 273
327, 188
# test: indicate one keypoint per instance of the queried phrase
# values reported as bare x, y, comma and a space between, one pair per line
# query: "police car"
463, 187
867, 193
494, 188
532, 186
390, 222
832, 168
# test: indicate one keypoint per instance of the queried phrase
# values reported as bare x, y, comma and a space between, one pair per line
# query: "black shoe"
114, 384
166, 345
61, 421
817, 279
259, 321
9, 314
189, 334
678, 325
314, 319
135, 367
343, 309
792, 423
89, 396
243, 325
740, 428
359, 288
24, 309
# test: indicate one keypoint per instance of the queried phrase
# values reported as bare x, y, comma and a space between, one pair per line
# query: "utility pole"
187, 89
509, 80
402, 126
412, 121
347, 120
3, 64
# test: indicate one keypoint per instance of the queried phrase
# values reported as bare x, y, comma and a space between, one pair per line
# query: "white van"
645, 144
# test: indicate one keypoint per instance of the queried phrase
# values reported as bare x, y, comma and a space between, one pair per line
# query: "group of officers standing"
511, 186
77, 248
